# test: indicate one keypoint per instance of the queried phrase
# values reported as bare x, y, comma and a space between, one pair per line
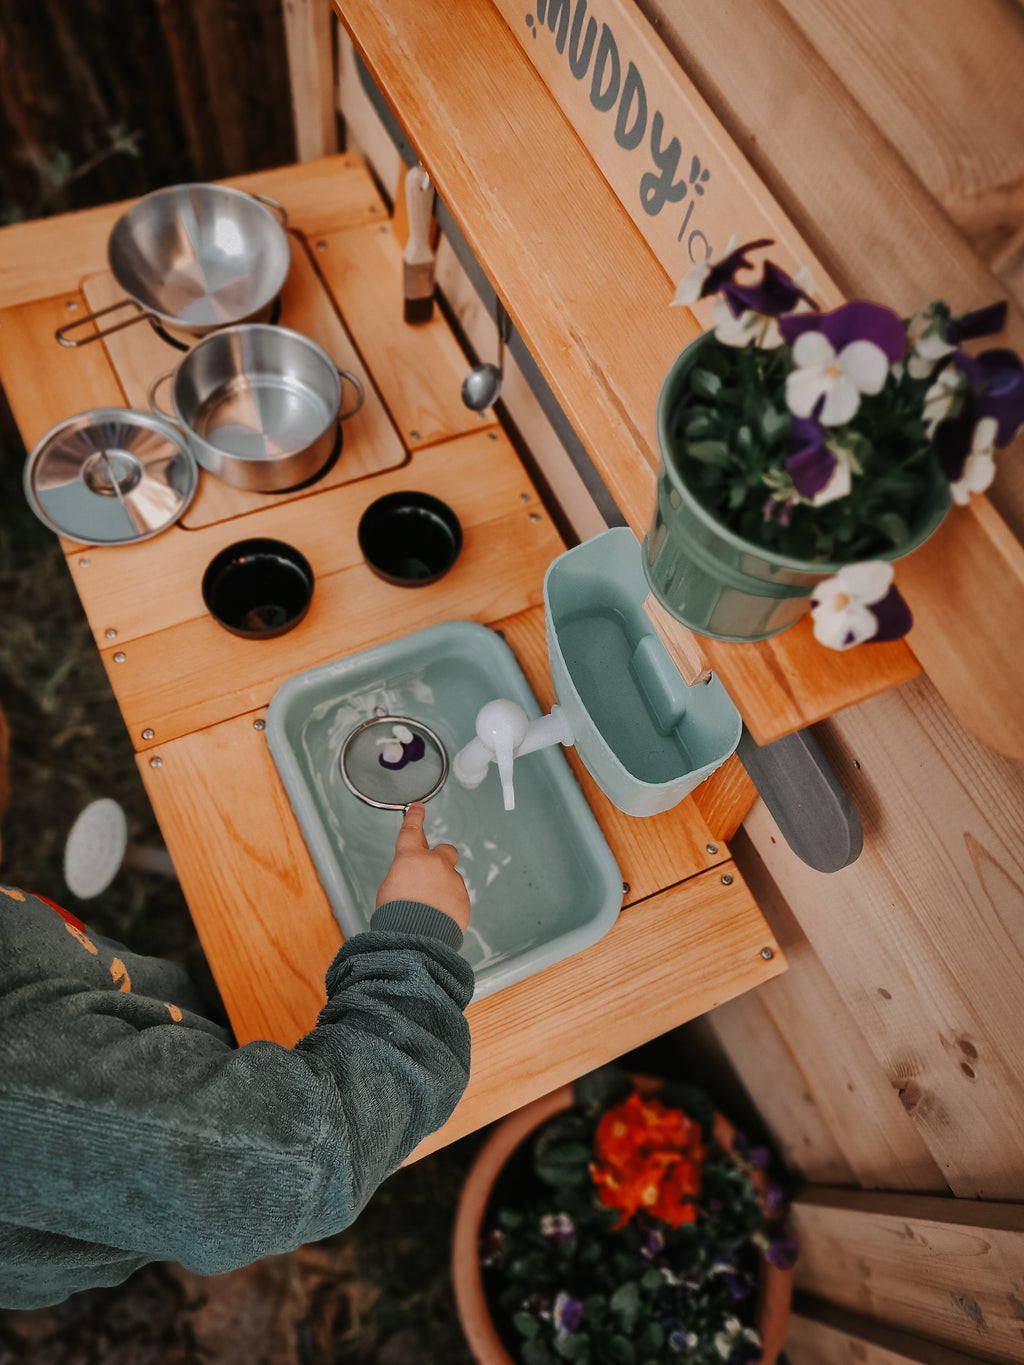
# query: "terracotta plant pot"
711, 579
771, 1317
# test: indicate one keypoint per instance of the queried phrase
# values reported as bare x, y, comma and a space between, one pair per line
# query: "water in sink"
542, 881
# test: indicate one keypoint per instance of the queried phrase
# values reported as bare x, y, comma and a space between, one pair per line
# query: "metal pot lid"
111, 476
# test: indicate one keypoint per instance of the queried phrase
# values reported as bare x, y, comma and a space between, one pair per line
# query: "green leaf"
621, 1351
509, 1219
626, 1300
704, 384
699, 426
575, 1346
710, 452
526, 1324
652, 1279
893, 525
535, 1352
651, 1339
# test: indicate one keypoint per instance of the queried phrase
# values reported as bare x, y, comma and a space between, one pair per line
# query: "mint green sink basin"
542, 880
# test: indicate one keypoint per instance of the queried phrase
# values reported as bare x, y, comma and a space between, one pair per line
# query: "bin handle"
360, 394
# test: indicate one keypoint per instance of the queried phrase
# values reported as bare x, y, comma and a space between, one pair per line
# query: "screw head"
119, 657
259, 725
767, 954
414, 436
156, 762
83, 563
727, 879
711, 848
147, 734
111, 634
535, 516
625, 888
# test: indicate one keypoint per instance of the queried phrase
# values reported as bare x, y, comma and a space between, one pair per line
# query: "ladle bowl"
481, 387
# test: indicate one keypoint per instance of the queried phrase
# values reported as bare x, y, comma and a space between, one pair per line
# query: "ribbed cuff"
415, 917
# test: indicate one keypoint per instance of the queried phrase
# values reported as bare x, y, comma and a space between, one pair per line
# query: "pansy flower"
567, 1313
707, 277
839, 356
748, 314
979, 468
927, 341
859, 603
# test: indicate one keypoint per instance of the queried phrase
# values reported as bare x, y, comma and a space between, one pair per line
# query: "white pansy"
979, 467
750, 328
840, 377
689, 287
840, 611
939, 398
926, 342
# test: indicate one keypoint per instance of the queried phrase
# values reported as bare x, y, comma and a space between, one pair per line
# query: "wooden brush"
418, 258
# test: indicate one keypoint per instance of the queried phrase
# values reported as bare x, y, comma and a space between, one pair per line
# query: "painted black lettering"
632, 104
607, 60
558, 17
579, 58
659, 188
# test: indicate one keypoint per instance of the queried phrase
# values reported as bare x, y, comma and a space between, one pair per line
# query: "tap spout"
504, 733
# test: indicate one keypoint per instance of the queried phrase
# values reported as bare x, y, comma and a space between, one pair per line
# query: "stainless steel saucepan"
194, 258
260, 405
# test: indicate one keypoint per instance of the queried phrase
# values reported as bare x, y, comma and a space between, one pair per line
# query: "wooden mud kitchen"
836, 914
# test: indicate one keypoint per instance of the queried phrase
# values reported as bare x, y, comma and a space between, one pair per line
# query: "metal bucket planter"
711, 579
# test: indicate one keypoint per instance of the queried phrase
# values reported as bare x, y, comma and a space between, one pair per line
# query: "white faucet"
504, 733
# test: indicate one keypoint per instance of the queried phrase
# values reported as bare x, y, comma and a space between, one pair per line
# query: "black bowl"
410, 539
258, 588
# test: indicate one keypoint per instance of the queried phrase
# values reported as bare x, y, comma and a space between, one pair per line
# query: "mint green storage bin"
647, 738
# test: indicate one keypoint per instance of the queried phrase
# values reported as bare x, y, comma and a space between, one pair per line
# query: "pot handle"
151, 395
62, 332
360, 395
273, 205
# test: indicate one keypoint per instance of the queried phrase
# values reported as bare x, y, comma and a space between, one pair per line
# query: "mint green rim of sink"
714, 581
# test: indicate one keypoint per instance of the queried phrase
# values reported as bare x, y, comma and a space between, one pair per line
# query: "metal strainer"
391, 761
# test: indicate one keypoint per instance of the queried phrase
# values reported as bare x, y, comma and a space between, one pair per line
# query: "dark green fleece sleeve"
142, 1131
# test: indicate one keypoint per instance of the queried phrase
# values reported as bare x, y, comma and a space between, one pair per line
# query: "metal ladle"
482, 386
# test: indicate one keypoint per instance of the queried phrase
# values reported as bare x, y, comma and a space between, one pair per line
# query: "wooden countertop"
193, 697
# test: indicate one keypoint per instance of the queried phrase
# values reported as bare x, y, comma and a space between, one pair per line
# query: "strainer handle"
62, 332
360, 394
274, 207
151, 395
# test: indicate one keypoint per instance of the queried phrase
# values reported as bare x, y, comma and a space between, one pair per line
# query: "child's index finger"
411, 835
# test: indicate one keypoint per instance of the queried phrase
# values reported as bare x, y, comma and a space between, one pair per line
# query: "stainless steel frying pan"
194, 258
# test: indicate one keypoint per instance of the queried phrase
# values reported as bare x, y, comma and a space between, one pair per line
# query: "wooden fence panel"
822, 1335
952, 1269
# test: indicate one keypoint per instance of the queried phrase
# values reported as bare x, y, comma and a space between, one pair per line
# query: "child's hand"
419, 873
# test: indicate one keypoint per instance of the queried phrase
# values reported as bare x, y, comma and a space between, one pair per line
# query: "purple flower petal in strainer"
857, 321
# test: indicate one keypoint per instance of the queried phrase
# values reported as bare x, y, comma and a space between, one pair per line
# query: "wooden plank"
43, 381
419, 369
682, 180
922, 936
725, 798
612, 997
948, 117
478, 477
820, 1334
833, 1080
309, 39
52, 255
197, 674
652, 853
902, 1258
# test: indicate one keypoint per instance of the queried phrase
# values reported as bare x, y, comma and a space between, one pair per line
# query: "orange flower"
649, 1157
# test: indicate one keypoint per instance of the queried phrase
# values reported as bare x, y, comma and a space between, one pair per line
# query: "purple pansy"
858, 321
403, 747
812, 464
567, 1313
859, 603
982, 322
723, 271
557, 1227
1002, 396
777, 293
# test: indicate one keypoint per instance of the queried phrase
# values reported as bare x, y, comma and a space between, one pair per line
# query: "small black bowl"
258, 588
410, 539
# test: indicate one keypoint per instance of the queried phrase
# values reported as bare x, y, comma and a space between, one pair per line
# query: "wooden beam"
950, 1268
309, 37
821, 1334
